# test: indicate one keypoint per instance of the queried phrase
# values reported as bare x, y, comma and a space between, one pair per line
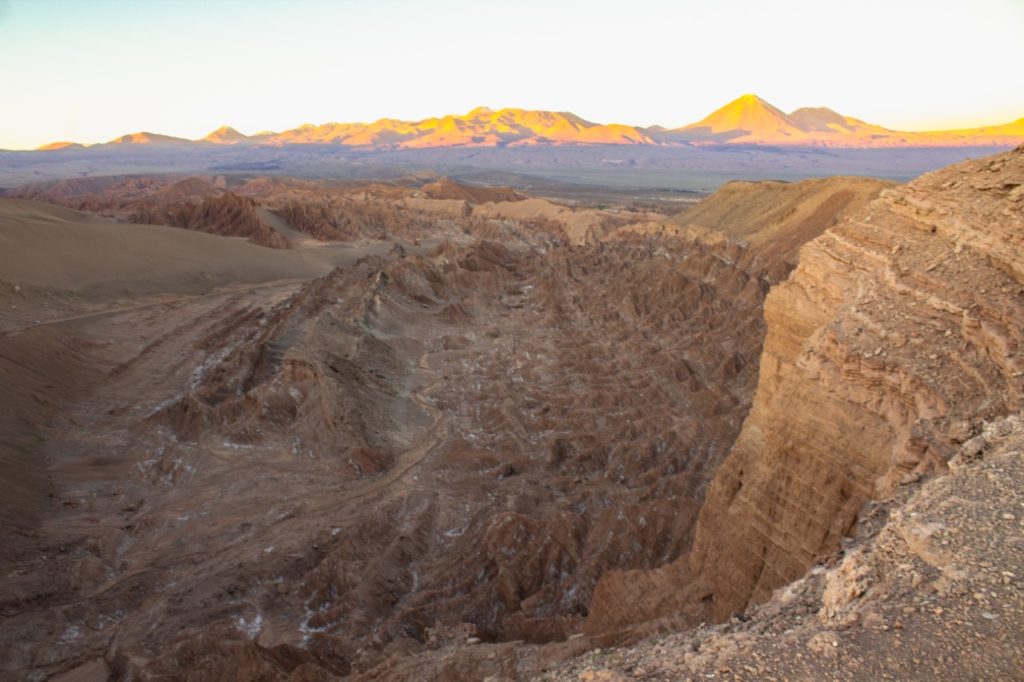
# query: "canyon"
274, 427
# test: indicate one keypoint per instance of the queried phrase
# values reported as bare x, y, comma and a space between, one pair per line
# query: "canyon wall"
897, 334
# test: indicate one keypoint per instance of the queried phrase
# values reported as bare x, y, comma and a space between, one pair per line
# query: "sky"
91, 70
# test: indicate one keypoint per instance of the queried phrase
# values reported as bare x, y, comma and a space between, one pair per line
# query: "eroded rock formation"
398, 454
285, 212
502, 427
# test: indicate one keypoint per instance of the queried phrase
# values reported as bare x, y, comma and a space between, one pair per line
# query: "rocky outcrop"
298, 379
226, 214
193, 203
480, 392
447, 189
400, 456
897, 333
336, 211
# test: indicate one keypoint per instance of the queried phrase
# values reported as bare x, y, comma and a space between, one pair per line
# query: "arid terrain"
257, 426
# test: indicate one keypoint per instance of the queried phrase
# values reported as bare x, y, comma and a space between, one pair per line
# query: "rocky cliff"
896, 335
226, 214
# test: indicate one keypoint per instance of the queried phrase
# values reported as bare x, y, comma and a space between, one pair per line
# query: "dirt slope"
777, 218
49, 246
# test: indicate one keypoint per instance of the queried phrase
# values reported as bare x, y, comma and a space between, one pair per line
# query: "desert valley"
513, 395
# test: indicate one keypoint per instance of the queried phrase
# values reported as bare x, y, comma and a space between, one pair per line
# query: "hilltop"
225, 135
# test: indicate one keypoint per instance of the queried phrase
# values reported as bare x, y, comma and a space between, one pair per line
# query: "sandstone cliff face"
899, 331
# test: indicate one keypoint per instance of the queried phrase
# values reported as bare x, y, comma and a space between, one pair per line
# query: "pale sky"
90, 70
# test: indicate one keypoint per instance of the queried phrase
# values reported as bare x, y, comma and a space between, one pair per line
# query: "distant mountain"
747, 120
59, 146
823, 119
225, 135
481, 127
748, 116
151, 139
753, 121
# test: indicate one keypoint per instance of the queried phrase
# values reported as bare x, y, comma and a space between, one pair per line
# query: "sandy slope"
48, 246
776, 218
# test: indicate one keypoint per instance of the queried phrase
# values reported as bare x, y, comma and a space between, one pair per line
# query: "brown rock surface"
228, 215
194, 203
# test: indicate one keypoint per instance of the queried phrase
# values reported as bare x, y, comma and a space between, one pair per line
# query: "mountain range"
747, 120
